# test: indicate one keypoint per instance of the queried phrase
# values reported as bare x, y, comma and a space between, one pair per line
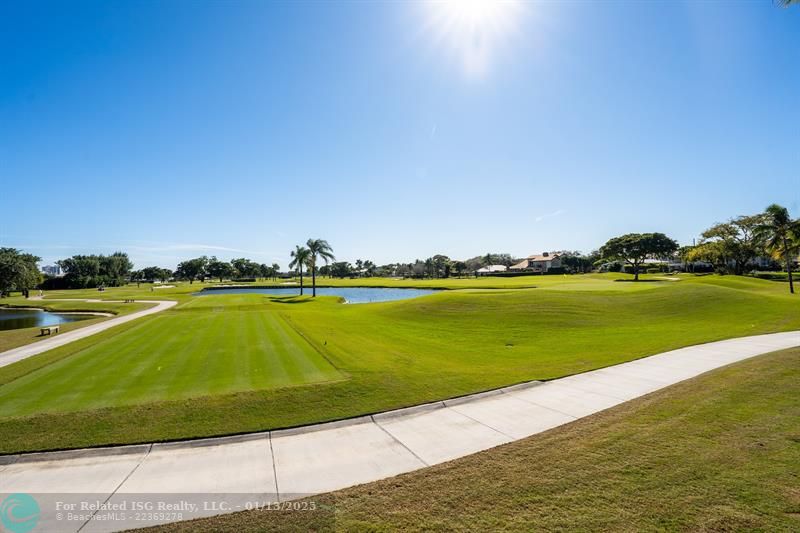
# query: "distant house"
491, 269
538, 264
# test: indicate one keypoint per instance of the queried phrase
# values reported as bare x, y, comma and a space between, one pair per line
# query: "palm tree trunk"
314, 281
788, 265
301, 281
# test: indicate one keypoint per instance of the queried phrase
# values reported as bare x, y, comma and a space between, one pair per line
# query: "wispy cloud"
154, 248
184, 247
556, 213
146, 253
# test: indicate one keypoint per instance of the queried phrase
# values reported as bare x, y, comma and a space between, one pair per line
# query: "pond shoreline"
55, 311
308, 286
349, 295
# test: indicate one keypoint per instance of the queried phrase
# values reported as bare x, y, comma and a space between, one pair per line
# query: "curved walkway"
210, 476
23, 352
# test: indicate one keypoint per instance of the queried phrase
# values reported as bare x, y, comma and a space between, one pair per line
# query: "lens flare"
473, 30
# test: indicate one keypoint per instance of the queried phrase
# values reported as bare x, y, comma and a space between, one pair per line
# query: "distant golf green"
223, 364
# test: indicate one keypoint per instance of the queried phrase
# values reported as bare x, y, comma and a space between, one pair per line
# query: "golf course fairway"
224, 364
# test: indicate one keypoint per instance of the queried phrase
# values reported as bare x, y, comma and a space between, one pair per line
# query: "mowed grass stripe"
175, 356
187, 362
202, 352
74, 380
257, 359
268, 357
319, 365
230, 366
290, 363
247, 342
193, 351
276, 364
125, 368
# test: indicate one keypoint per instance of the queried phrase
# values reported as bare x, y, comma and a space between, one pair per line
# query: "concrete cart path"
23, 352
229, 473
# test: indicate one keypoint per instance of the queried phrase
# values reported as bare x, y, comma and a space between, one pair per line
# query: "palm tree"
318, 249
300, 258
275, 269
780, 235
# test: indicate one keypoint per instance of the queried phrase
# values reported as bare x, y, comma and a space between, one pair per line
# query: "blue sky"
392, 129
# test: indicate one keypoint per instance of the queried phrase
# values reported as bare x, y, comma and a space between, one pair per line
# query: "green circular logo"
19, 513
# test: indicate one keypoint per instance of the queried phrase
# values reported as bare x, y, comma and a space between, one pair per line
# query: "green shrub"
773, 276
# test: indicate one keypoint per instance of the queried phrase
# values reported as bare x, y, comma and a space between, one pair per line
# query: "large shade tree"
300, 259
318, 249
154, 273
780, 235
84, 271
732, 242
575, 261
634, 248
246, 268
193, 269
220, 269
342, 269
18, 271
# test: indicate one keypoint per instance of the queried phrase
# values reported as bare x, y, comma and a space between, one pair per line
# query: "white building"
52, 270
491, 269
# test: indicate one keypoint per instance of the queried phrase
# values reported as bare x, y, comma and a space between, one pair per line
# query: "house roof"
493, 268
543, 257
535, 258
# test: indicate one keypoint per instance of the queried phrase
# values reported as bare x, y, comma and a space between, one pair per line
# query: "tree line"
730, 247
19, 271
736, 246
202, 268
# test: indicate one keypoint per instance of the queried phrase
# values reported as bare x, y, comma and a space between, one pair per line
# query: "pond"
352, 295
28, 318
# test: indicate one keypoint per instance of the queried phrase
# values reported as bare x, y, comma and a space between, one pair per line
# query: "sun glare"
473, 30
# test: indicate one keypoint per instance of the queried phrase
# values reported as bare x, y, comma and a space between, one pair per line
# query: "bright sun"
473, 29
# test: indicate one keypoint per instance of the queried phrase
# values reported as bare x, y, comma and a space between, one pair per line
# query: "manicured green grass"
182, 290
210, 346
720, 452
588, 282
190, 371
19, 337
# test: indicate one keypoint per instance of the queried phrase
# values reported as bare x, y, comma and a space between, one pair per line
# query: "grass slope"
221, 364
720, 452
